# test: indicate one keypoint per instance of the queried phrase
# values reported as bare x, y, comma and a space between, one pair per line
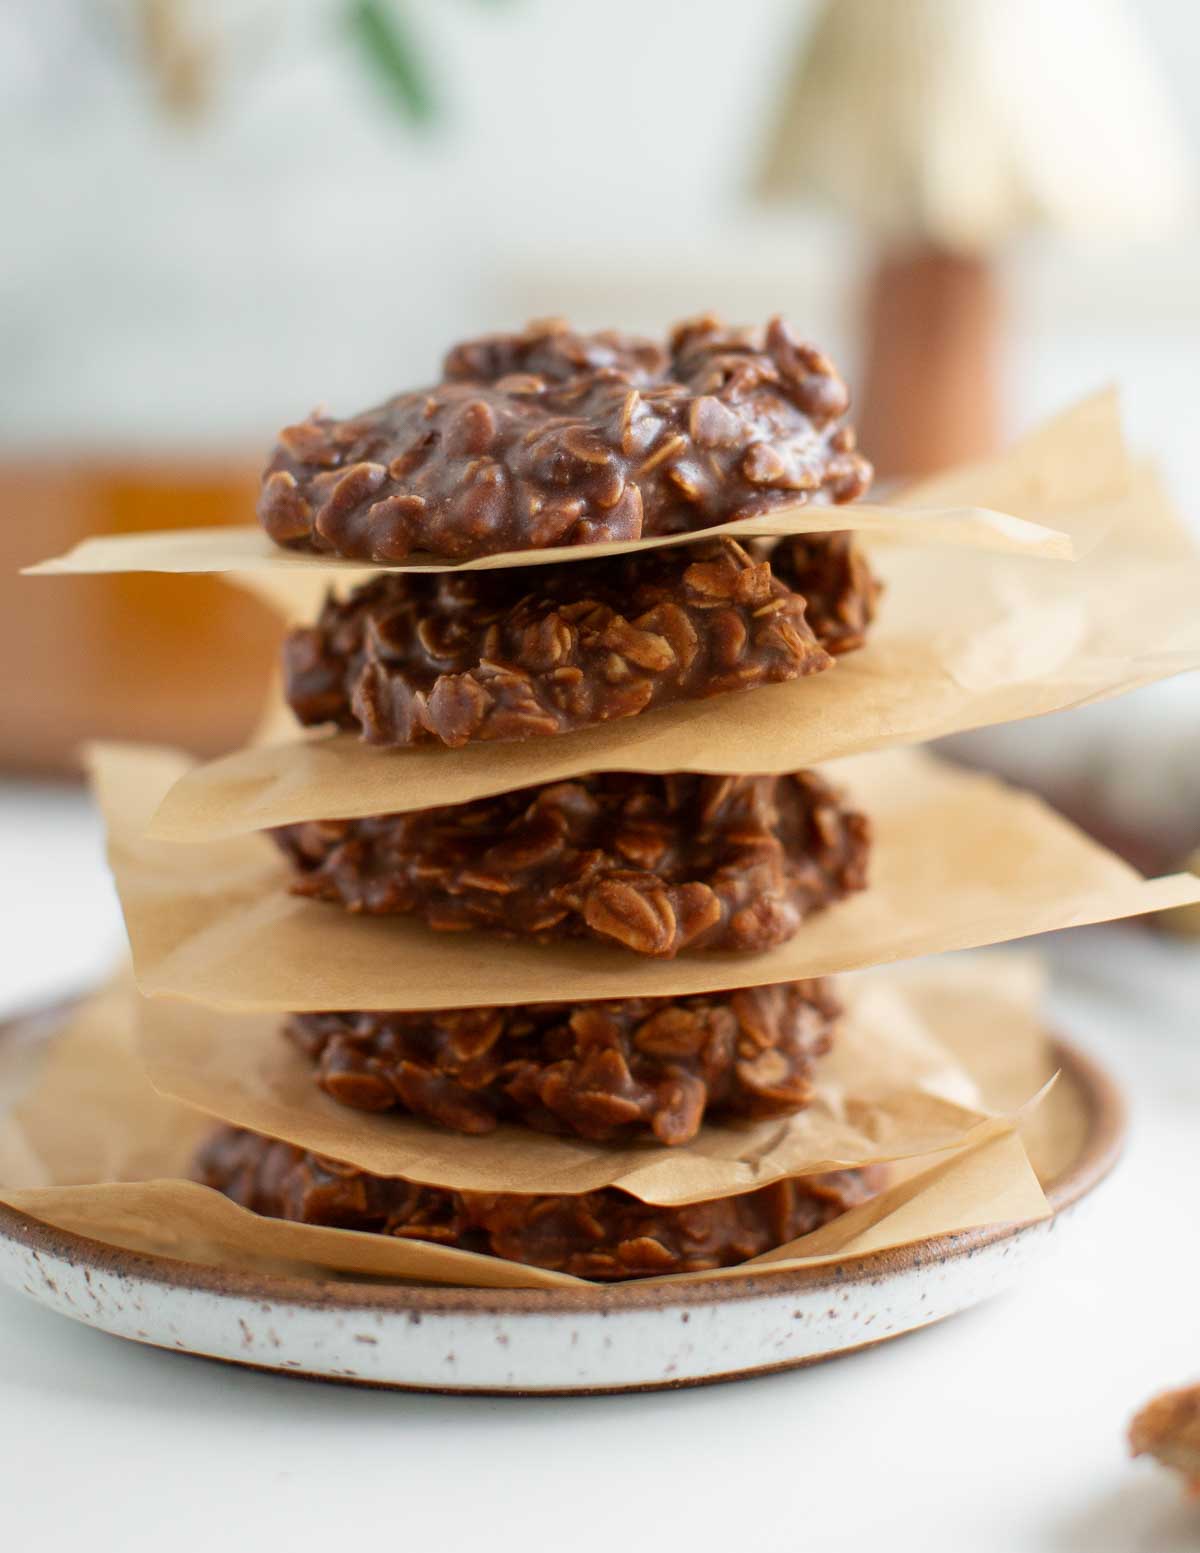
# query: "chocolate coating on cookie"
604, 1235
656, 864
608, 1071
832, 574
549, 438
480, 656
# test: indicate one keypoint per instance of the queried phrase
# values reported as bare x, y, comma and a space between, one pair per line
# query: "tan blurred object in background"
1184, 921
185, 659
944, 129
1168, 1428
179, 55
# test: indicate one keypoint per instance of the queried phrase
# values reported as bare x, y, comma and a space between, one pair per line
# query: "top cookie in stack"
552, 438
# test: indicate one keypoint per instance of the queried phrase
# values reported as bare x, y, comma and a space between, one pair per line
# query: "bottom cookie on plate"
605, 1234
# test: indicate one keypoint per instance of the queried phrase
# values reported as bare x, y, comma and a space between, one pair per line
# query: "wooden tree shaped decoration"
945, 128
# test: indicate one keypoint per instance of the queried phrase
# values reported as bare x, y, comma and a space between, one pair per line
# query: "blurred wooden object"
945, 129
932, 331
185, 660
180, 54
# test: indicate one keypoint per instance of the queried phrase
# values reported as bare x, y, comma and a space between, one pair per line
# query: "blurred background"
220, 213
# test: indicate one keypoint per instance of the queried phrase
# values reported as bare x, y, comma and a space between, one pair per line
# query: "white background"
166, 286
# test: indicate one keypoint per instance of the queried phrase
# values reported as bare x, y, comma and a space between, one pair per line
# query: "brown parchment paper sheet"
1055, 476
888, 1090
963, 641
93, 1149
960, 859
1008, 1058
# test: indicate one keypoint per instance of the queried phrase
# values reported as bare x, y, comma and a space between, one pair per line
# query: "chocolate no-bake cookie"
555, 438
473, 656
603, 1235
605, 1071
656, 863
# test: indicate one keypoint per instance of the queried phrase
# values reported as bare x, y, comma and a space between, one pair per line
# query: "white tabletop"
998, 1432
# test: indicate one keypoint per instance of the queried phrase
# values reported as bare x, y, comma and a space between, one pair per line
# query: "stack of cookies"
549, 441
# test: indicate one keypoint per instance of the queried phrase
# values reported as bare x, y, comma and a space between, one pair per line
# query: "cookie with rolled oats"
658, 864
608, 1071
554, 438
606, 1235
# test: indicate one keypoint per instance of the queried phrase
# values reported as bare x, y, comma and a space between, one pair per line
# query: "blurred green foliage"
385, 34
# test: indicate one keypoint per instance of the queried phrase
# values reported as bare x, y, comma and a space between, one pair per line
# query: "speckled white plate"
624, 1338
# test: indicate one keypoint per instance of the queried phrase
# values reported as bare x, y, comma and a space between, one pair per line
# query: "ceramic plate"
623, 1338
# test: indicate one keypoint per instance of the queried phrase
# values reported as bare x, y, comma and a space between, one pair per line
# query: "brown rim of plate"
1102, 1098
